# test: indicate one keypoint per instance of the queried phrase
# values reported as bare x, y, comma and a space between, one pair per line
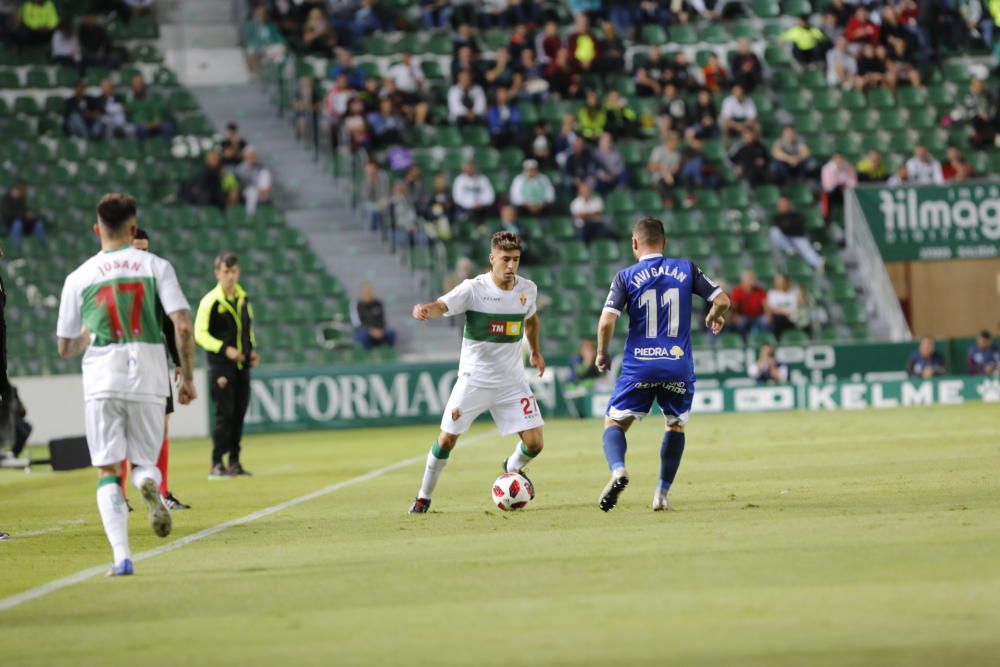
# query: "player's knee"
623, 424
533, 440
113, 470
675, 428
447, 441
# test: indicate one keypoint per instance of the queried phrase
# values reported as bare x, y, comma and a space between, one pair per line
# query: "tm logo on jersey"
672, 354
505, 328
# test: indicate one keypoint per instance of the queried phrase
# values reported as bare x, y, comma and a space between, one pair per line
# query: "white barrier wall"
55, 407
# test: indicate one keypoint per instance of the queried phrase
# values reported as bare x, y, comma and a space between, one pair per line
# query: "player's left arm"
533, 332
711, 292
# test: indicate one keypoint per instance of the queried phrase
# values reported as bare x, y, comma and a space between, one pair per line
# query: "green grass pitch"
843, 538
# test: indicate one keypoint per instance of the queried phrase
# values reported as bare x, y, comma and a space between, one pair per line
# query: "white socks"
435, 466
520, 458
114, 515
141, 473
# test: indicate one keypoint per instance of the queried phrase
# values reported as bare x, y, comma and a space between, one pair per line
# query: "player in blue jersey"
656, 292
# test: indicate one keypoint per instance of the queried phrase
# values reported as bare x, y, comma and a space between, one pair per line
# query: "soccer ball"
511, 491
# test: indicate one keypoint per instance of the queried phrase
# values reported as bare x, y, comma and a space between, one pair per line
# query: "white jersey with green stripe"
494, 327
114, 295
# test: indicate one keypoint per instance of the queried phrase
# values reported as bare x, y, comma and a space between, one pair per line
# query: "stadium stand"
66, 174
610, 71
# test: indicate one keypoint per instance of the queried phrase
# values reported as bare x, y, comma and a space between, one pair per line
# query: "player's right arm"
73, 337
454, 302
428, 311
168, 289
613, 305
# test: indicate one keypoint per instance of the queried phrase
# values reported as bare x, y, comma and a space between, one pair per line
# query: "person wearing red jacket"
747, 311
861, 29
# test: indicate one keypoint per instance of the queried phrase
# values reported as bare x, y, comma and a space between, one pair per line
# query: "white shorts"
119, 430
514, 408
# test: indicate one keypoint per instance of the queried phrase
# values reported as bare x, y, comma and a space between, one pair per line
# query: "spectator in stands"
983, 357
588, 215
750, 157
900, 177
548, 42
747, 314
745, 66
366, 20
95, 44
368, 318
738, 113
355, 126
860, 29
345, 65
434, 14
509, 223
622, 119
66, 45
957, 168
583, 366
665, 165
808, 42
873, 68
592, 118
786, 306
18, 219
696, 172
583, 46
871, 168
612, 52
262, 40
579, 165
466, 101
534, 86
209, 187
306, 101
979, 111
767, 369
788, 233
541, 147
562, 75
926, 362
113, 116
472, 193
532, 191
649, 76
37, 20
412, 85
437, 207
705, 117
468, 60
232, 146
674, 106
82, 114
679, 71
504, 120
255, 180
318, 38
463, 271
923, 169
502, 72
714, 74
792, 158
148, 117
464, 35
841, 66
835, 175
609, 166
374, 194
386, 124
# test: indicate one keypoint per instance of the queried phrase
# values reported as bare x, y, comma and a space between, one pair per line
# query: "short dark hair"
233, 127
141, 234
115, 209
985, 334
505, 241
648, 231
226, 259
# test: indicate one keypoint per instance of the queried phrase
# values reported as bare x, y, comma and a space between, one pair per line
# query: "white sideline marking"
83, 575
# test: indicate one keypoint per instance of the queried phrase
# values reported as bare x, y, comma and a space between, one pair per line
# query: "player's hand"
715, 324
235, 355
603, 363
254, 359
538, 362
187, 392
421, 312
178, 375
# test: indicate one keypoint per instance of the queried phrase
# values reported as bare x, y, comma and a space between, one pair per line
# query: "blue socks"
614, 447
671, 451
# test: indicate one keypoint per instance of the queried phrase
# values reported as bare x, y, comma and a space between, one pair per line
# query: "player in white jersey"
500, 310
108, 312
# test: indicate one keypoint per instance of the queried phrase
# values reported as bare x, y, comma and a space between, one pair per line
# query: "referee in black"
224, 327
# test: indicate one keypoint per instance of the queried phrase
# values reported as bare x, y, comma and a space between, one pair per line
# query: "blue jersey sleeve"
618, 296
703, 285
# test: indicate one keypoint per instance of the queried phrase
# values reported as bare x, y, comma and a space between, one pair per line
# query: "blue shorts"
634, 398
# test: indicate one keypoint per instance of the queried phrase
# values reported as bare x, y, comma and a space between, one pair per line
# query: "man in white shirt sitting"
472, 193
466, 102
588, 215
738, 112
532, 192
923, 169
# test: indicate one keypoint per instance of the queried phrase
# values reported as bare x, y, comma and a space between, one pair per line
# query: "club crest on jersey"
523, 298
456, 414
